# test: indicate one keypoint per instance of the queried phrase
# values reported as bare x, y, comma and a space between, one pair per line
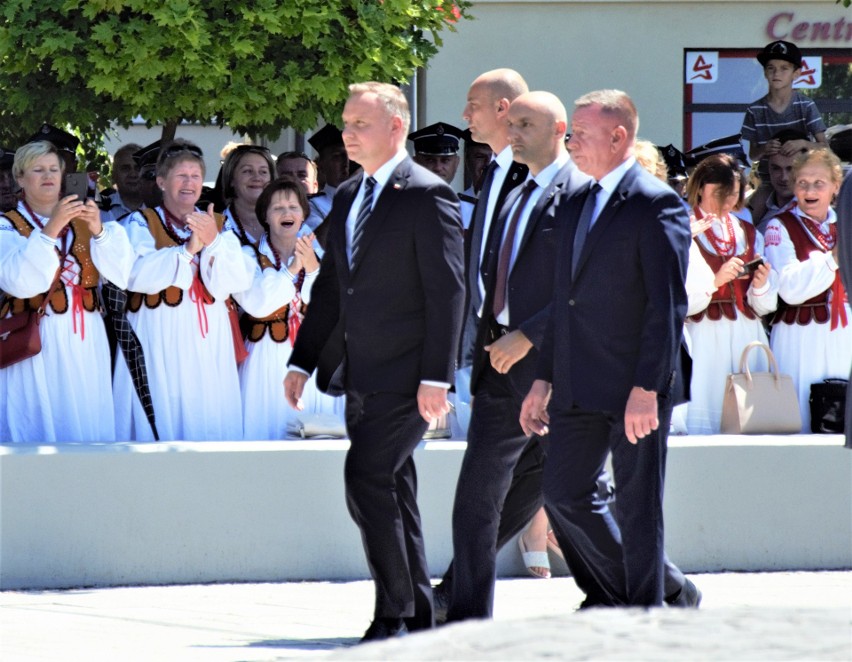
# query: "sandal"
534, 561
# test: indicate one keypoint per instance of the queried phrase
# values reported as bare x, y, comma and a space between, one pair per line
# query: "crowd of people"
557, 293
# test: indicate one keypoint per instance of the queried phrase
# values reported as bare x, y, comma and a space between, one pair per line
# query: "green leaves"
257, 65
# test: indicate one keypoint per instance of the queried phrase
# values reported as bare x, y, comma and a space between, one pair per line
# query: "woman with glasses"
726, 305
54, 249
287, 267
185, 270
812, 330
246, 172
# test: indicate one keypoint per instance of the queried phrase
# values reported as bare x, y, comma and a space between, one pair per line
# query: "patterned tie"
363, 214
502, 278
583, 226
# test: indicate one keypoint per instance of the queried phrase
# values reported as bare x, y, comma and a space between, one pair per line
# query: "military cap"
727, 145
147, 155
328, 136
7, 158
60, 139
437, 139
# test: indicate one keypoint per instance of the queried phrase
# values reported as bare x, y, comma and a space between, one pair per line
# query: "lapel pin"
396, 187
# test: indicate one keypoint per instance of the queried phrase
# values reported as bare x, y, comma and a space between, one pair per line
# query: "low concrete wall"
78, 515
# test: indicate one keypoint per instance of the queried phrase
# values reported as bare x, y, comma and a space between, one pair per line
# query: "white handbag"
760, 402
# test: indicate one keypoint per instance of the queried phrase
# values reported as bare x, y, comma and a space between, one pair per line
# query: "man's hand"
432, 402
294, 385
534, 418
507, 350
640, 414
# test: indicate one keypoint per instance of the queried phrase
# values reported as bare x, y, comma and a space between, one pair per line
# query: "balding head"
537, 123
488, 102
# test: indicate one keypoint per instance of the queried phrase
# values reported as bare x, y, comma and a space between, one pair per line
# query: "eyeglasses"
177, 149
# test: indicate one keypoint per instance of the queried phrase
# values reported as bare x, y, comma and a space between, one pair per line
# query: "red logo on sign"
807, 77
702, 69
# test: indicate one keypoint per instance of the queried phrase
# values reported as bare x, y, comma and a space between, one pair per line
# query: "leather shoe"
441, 604
385, 628
689, 597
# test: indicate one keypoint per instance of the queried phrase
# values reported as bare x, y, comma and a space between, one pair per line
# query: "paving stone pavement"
744, 616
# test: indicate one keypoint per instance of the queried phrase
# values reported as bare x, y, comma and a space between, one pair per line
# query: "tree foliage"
255, 65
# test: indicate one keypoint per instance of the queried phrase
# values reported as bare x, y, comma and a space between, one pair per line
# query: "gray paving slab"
744, 616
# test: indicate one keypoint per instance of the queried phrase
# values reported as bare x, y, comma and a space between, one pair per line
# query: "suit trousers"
495, 443
624, 554
381, 494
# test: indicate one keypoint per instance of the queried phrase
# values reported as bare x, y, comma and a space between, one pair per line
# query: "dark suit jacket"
395, 317
619, 323
514, 177
530, 284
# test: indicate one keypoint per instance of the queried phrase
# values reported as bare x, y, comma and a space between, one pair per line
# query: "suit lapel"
608, 213
382, 209
544, 201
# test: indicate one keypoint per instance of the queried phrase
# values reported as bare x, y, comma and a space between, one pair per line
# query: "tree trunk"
169, 130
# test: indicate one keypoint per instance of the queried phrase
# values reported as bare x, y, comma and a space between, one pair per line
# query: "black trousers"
381, 494
625, 555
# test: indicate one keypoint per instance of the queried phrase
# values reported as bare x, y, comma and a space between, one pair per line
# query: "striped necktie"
363, 214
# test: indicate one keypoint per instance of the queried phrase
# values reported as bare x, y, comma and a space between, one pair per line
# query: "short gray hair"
391, 97
615, 103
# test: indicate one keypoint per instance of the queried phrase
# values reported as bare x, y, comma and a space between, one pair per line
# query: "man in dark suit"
843, 255
385, 315
518, 274
610, 355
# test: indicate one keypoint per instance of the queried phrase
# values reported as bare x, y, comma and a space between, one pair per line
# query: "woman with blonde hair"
812, 330
54, 250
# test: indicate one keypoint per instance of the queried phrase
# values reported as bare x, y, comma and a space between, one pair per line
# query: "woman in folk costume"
58, 246
246, 172
287, 267
812, 330
724, 313
186, 268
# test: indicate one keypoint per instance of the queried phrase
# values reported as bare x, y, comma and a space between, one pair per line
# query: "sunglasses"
177, 149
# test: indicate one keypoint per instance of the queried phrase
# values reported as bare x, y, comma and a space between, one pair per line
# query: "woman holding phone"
812, 330
724, 313
186, 268
53, 251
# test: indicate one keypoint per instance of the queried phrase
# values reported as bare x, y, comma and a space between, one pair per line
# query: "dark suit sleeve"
323, 312
844, 230
536, 326
440, 259
663, 252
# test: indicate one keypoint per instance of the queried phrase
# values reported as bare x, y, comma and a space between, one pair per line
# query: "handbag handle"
773, 364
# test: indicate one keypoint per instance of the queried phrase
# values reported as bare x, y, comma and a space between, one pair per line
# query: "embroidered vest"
723, 303
277, 324
816, 308
80, 251
171, 296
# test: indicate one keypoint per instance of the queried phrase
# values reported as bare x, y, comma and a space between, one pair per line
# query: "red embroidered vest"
723, 303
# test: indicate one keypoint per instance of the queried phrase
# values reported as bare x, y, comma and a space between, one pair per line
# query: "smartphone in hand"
77, 183
750, 267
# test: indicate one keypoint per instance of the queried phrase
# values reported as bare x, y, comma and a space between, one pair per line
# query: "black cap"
328, 136
437, 139
62, 140
781, 50
7, 158
675, 164
727, 145
147, 155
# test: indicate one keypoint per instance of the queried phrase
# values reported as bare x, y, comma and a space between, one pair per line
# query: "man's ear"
503, 107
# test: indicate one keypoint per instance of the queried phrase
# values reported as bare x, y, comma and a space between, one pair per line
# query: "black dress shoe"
385, 628
441, 603
689, 597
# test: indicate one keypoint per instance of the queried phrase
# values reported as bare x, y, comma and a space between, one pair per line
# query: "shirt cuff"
296, 368
760, 291
185, 254
102, 237
50, 241
429, 382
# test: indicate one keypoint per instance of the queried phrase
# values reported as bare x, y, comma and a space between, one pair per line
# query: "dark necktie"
502, 277
478, 221
363, 213
583, 225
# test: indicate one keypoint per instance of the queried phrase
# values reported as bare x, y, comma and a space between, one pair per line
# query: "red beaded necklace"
723, 247
170, 221
825, 239
242, 235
